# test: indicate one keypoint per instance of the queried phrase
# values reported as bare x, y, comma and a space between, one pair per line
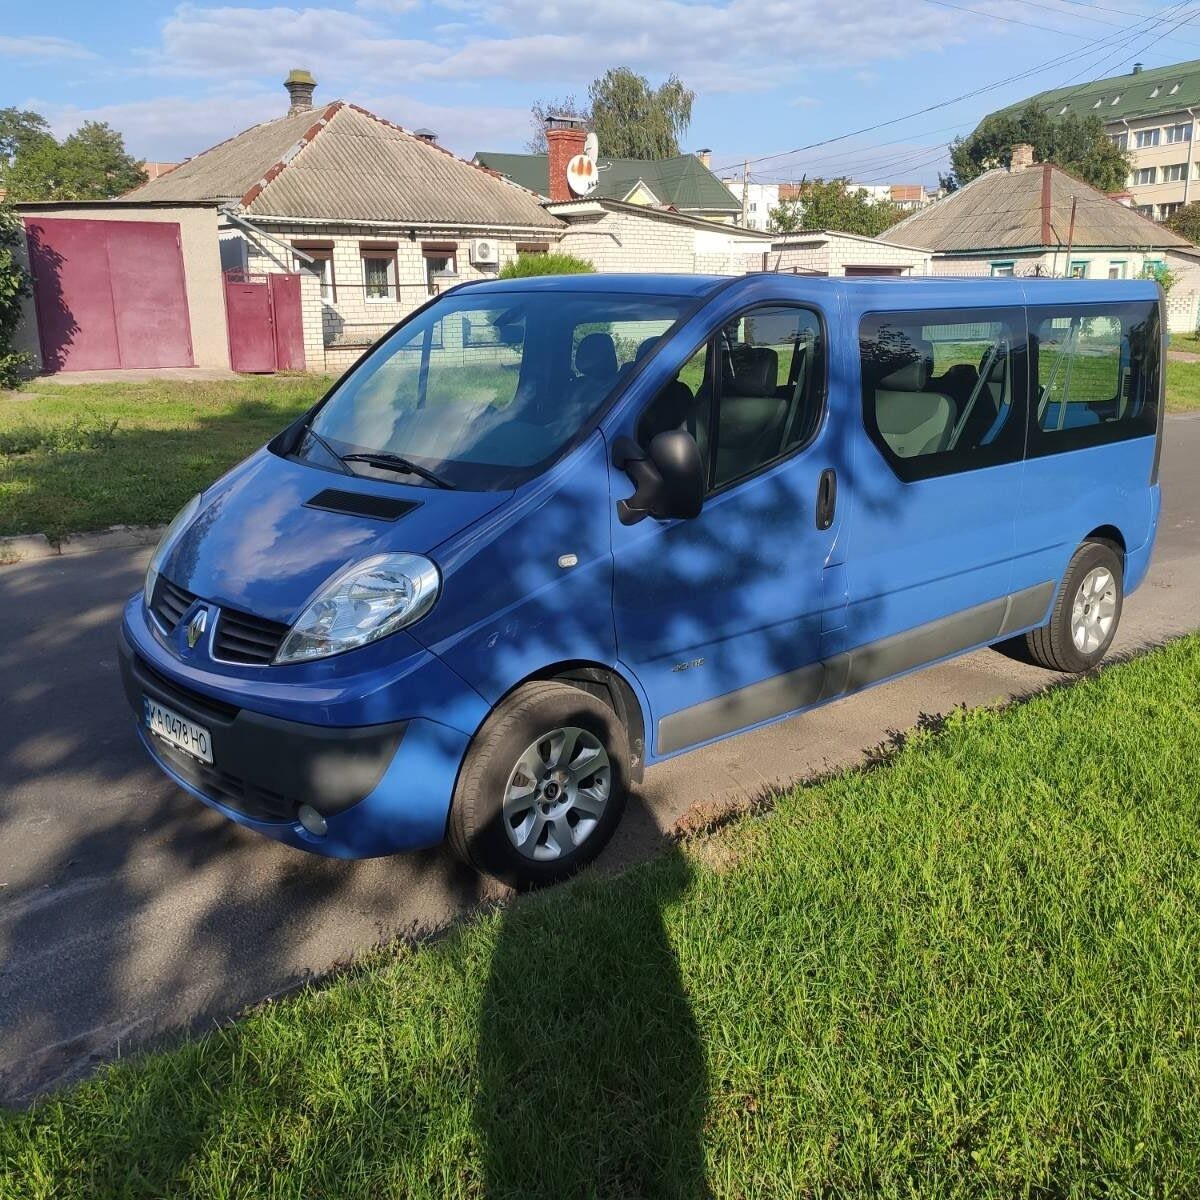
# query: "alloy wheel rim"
1093, 610
557, 793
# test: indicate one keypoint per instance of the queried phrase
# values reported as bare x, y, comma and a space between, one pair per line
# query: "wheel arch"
605, 684
1112, 535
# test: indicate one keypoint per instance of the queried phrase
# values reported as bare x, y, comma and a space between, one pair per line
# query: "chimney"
705, 157
1022, 157
426, 135
300, 85
565, 137
1137, 68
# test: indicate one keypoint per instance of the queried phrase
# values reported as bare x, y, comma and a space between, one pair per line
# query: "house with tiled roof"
1038, 220
681, 184
1151, 114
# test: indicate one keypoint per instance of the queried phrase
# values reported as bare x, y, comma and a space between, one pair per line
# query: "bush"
82, 433
527, 265
14, 287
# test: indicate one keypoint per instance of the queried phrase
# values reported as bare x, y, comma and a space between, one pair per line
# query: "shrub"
81, 433
14, 287
526, 265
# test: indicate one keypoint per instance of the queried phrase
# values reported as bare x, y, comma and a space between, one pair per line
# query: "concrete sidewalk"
129, 910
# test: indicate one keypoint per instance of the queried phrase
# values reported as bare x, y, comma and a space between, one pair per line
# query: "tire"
562, 808
1086, 612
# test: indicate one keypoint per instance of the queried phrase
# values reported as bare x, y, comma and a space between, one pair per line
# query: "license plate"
186, 735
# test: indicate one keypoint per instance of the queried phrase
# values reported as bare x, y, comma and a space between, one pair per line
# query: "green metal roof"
684, 181
1150, 93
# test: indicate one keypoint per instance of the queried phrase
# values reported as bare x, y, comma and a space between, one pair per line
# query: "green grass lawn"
80, 458
970, 971
86, 457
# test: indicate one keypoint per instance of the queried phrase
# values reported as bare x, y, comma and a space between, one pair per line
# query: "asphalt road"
129, 911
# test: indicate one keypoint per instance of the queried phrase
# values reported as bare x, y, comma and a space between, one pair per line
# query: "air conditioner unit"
484, 252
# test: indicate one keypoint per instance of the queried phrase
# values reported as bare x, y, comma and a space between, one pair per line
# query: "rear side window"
942, 394
1097, 375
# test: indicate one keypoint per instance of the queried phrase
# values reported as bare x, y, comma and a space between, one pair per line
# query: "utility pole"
745, 191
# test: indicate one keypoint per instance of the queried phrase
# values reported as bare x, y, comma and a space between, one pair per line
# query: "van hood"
258, 545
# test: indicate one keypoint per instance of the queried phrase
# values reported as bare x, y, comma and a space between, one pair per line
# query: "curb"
32, 546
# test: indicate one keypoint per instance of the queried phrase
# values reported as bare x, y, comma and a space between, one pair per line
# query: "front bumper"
382, 788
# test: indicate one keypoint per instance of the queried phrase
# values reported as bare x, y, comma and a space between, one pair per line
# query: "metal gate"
109, 294
266, 327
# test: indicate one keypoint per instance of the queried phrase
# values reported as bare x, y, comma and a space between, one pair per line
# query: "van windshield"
484, 388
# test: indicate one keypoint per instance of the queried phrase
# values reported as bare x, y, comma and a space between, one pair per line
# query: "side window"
942, 395
753, 393
1097, 372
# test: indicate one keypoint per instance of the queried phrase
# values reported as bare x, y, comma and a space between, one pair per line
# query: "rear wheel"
543, 786
1086, 612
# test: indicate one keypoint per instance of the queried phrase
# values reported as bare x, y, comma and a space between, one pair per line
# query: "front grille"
261, 804
241, 638
170, 602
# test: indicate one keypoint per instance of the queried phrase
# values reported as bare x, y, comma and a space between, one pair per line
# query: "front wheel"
1086, 613
543, 786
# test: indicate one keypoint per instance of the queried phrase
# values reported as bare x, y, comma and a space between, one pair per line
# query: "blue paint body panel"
542, 578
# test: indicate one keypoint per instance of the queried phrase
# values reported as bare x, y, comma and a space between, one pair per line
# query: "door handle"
826, 498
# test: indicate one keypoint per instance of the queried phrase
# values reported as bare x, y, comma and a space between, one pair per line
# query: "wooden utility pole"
745, 191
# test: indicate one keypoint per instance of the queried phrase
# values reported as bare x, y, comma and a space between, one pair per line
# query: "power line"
1103, 43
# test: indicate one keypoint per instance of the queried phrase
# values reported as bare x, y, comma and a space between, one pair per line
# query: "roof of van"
927, 290
632, 284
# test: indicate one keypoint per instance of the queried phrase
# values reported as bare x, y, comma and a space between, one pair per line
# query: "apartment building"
1152, 114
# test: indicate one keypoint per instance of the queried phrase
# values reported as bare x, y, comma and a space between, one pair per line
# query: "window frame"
1039, 442
1122, 265
381, 252
1083, 264
1010, 263
1180, 172
1146, 139
321, 252
1185, 136
438, 250
1151, 172
712, 371
923, 467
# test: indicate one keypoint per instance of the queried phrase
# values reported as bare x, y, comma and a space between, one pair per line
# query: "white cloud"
33, 48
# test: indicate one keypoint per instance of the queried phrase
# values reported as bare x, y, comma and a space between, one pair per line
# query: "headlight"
182, 519
372, 599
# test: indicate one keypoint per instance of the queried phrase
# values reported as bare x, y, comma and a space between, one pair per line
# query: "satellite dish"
591, 147
582, 175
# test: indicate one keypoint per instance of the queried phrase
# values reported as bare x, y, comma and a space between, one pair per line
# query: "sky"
770, 76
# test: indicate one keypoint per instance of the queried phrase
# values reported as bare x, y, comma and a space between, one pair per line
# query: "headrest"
646, 347
914, 369
755, 371
596, 356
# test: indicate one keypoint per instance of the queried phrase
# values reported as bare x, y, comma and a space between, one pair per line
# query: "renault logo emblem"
196, 627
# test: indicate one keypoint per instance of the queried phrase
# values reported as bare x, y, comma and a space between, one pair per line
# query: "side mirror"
668, 478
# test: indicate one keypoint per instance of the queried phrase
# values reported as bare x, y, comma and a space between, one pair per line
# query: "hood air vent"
360, 504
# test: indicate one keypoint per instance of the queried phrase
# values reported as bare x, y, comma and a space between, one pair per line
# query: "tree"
525, 265
14, 286
633, 120
1186, 221
832, 204
1077, 144
91, 164
20, 131
567, 106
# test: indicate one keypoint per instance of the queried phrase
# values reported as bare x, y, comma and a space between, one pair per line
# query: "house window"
1116, 268
1099, 102
1165, 210
1145, 137
1145, 175
322, 266
1155, 91
533, 248
1179, 133
1079, 269
1144, 210
1003, 269
1174, 172
1116, 99
1120, 140
441, 263
1063, 109
379, 271
1174, 89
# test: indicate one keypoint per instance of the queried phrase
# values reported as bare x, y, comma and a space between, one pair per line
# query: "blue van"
549, 531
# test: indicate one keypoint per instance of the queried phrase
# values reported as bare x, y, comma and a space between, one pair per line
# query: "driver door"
723, 618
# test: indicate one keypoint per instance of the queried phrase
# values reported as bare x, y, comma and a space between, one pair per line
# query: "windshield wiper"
316, 437
387, 461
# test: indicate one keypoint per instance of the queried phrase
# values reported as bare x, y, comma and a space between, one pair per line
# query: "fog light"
312, 820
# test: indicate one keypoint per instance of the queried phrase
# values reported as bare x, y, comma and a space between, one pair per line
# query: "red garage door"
109, 294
